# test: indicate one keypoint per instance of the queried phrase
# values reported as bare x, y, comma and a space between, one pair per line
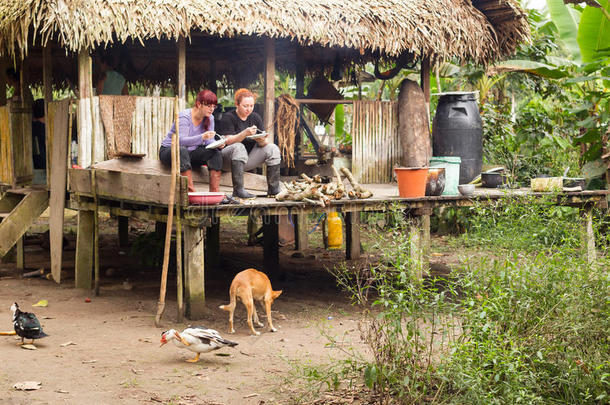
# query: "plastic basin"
205, 198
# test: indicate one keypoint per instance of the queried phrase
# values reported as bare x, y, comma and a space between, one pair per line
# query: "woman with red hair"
195, 131
241, 153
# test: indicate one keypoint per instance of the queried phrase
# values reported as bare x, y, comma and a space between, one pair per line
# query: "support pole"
3, 67
19, 250
84, 250
587, 234
213, 244
269, 86
301, 242
181, 91
271, 247
123, 225
352, 230
194, 244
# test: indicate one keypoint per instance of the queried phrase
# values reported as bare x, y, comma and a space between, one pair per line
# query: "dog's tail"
233, 300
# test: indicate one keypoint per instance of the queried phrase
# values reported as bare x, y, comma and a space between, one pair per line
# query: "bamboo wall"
16, 166
150, 122
376, 146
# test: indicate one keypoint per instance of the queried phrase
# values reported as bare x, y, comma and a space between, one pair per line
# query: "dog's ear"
276, 294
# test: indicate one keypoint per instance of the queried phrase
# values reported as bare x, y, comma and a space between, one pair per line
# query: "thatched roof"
479, 30
445, 28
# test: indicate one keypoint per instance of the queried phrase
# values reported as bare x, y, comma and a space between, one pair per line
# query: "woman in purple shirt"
196, 129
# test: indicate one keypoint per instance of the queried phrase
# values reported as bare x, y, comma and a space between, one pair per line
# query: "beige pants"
269, 154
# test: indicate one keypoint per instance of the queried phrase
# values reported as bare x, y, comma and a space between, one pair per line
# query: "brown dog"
250, 285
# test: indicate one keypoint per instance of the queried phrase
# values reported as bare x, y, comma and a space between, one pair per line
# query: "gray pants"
269, 154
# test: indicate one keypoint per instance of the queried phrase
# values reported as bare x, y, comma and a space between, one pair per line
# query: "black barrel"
457, 130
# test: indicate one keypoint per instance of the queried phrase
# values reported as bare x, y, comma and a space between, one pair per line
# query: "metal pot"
435, 182
492, 179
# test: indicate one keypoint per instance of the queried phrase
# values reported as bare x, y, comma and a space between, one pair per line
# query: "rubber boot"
189, 176
273, 180
237, 175
214, 180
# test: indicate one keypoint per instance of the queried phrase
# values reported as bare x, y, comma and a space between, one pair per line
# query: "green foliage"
148, 248
525, 323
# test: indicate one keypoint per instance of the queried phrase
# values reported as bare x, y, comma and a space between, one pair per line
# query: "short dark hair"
38, 108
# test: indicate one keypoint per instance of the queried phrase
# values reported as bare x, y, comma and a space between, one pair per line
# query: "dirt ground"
107, 351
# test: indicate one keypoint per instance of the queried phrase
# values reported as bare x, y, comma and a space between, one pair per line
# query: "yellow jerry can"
335, 231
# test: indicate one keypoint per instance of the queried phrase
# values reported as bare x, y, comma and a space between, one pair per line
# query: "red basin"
205, 198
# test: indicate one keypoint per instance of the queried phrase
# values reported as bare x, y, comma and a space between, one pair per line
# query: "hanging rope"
286, 119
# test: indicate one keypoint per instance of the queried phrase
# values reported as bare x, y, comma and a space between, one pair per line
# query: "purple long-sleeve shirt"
190, 135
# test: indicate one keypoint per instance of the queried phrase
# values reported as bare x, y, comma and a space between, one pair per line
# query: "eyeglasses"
211, 105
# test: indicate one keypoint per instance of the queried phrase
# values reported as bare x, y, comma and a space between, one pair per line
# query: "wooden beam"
301, 241
181, 91
322, 101
269, 86
57, 184
352, 240
271, 247
194, 244
83, 266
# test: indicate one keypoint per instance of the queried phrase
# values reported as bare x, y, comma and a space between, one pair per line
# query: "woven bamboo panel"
21, 134
375, 142
6, 147
134, 124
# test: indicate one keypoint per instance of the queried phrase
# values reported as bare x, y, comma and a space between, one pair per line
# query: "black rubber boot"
273, 180
237, 175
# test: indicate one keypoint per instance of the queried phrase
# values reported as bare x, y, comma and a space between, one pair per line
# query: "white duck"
197, 339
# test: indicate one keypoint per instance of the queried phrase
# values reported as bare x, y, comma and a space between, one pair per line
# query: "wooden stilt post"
352, 230
194, 244
213, 244
83, 265
181, 91
301, 241
123, 225
3, 67
57, 185
269, 86
19, 250
587, 234
271, 247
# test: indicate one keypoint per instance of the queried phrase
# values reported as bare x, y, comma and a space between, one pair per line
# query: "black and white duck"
26, 324
196, 339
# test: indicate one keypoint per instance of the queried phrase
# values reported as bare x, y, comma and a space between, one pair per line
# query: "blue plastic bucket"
452, 172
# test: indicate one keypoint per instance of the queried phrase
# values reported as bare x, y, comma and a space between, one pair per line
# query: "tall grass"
527, 325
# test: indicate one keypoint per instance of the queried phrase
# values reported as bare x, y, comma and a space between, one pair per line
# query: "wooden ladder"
19, 209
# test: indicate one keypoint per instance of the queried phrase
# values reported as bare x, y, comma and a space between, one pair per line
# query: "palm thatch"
481, 30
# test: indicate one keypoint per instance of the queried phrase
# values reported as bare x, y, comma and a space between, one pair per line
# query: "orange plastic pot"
411, 181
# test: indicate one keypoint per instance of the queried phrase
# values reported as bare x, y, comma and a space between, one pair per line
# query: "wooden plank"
352, 231
57, 184
83, 265
269, 107
252, 181
22, 217
301, 241
194, 264
21, 138
136, 187
80, 181
271, 247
